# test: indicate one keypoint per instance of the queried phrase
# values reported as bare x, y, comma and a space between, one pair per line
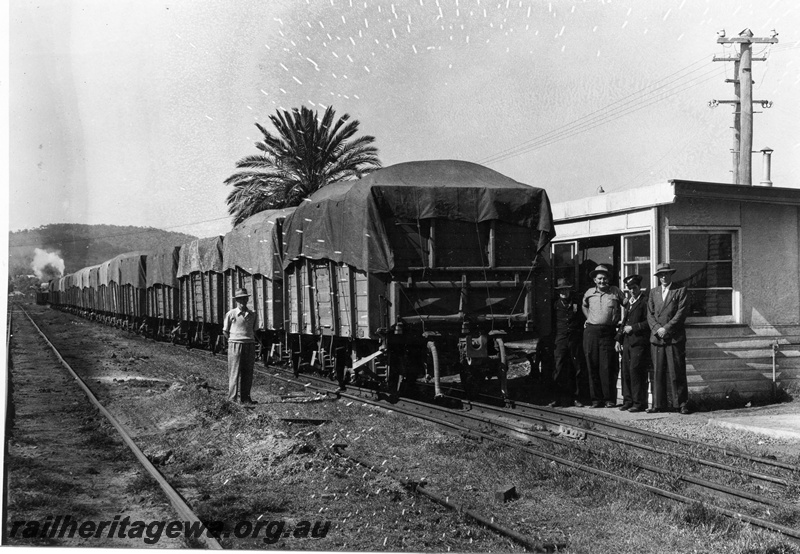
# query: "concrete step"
744, 389
698, 331
788, 351
732, 363
734, 343
694, 376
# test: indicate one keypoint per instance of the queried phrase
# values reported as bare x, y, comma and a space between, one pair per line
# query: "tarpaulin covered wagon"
253, 259
203, 298
432, 264
121, 289
163, 306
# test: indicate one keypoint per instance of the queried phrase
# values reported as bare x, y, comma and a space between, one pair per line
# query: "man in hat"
567, 332
239, 328
667, 309
633, 341
602, 307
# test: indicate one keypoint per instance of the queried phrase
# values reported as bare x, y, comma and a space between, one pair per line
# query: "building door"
594, 251
623, 254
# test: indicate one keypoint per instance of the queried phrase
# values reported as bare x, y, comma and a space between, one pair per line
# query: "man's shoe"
611, 405
249, 402
597, 405
578, 404
685, 410
625, 407
634, 410
652, 410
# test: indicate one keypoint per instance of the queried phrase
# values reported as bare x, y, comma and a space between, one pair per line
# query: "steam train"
428, 266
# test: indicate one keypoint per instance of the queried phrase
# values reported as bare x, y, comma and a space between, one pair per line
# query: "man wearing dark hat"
667, 309
602, 306
239, 328
633, 341
567, 332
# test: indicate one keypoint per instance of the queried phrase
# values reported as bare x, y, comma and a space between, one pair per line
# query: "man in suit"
667, 309
633, 341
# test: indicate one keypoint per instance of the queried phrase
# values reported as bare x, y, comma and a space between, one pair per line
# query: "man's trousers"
241, 360
669, 364
601, 361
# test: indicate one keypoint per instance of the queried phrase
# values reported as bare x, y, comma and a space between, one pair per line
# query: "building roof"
667, 193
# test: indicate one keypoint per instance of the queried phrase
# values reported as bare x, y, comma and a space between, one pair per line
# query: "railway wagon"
95, 301
72, 292
253, 259
54, 292
433, 264
63, 291
162, 292
122, 290
202, 295
84, 296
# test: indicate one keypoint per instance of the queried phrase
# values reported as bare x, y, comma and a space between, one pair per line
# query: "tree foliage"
305, 154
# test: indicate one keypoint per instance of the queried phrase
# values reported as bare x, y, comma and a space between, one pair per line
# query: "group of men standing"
608, 326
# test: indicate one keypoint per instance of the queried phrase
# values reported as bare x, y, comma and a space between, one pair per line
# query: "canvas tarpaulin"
253, 245
162, 267
82, 277
344, 221
201, 255
125, 269
94, 277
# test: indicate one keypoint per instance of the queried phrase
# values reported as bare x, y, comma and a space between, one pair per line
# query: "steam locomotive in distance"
427, 267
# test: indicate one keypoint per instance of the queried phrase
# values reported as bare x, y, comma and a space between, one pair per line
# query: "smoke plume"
47, 265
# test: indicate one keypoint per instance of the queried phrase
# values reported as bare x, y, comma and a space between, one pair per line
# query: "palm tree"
306, 154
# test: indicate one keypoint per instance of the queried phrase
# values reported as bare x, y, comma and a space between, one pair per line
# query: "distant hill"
80, 246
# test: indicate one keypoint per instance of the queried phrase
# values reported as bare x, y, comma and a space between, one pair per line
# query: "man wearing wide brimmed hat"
567, 333
667, 309
633, 341
239, 328
602, 307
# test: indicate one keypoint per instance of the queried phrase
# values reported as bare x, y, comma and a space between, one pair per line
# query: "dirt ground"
263, 466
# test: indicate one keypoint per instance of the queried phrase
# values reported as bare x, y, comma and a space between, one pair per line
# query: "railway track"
21, 320
609, 430
768, 500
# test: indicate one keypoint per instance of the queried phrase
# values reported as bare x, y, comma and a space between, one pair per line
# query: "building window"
636, 252
704, 263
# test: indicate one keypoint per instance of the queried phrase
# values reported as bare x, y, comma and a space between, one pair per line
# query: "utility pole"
743, 105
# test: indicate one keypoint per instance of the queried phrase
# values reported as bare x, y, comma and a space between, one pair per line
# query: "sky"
135, 112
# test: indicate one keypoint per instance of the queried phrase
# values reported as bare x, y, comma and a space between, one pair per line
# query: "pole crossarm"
762, 102
736, 59
751, 40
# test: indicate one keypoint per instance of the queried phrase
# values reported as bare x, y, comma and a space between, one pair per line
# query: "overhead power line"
612, 111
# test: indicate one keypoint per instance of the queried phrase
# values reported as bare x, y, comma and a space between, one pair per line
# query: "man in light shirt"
667, 309
602, 307
239, 327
